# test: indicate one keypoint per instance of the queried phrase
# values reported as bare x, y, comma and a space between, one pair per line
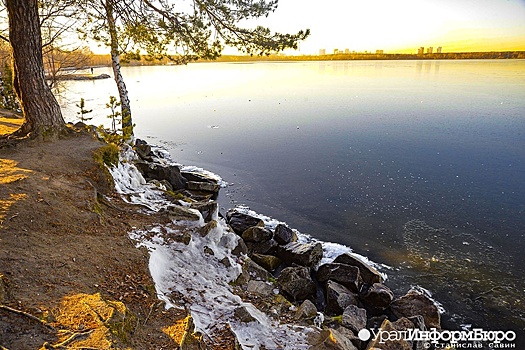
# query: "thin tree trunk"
43, 117
115, 63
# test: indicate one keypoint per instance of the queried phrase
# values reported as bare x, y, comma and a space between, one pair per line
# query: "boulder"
346, 275
297, 283
170, 173
354, 318
178, 213
207, 210
167, 185
396, 343
267, 247
369, 274
378, 297
284, 235
197, 177
415, 303
419, 323
241, 248
252, 271
199, 196
348, 334
183, 237
257, 234
202, 186
338, 297
243, 315
307, 311
375, 321
143, 149
329, 339
206, 229
304, 254
239, 222
269, 262
261, 288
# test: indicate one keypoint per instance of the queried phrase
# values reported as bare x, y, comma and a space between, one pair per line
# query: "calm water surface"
418, 164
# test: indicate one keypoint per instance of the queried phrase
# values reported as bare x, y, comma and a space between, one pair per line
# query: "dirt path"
65, 257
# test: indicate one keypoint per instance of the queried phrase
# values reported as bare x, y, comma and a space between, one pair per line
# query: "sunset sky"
404, 25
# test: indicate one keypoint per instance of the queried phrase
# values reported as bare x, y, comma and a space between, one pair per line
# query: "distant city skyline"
403, 26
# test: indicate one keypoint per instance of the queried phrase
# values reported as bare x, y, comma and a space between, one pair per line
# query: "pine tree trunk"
115, 63
43, 117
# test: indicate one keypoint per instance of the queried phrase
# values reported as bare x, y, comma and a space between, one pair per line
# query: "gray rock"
358, 343
208, 251
241, 248
206, 229
252, 271
354, 318
378, 297
199, 196
269, 262
239, 222
375, 321
261, 288
197, 177
243, 315
304, 254
206, 209
306, 311
143, 149
297, 283
170, 173
166, 184
184, 238
202, 186
338, 297
415, 303
329, 339
346, 275
369, 274
256, 234
267, 247
226, 262
391, 344
178, 213
284, 235
419, 323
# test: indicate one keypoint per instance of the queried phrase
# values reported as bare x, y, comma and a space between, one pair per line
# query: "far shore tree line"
155, 30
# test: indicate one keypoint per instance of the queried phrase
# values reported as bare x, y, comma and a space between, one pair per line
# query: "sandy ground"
69, 274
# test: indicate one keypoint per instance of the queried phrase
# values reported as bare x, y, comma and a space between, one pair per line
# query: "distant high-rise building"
322, 52
336, 51
421, 50
439, 49
429, 50
379, 52
347, 51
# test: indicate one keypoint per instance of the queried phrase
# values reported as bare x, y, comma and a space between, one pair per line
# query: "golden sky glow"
404, 25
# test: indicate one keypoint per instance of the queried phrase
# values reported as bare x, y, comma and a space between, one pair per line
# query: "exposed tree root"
25, 314
69, 340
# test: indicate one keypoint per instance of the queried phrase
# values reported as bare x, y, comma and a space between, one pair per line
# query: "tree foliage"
83, 111
187, 31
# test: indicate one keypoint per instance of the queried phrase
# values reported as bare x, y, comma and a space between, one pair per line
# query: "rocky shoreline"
340, 303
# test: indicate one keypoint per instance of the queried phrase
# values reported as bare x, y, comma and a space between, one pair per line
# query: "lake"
419, 165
